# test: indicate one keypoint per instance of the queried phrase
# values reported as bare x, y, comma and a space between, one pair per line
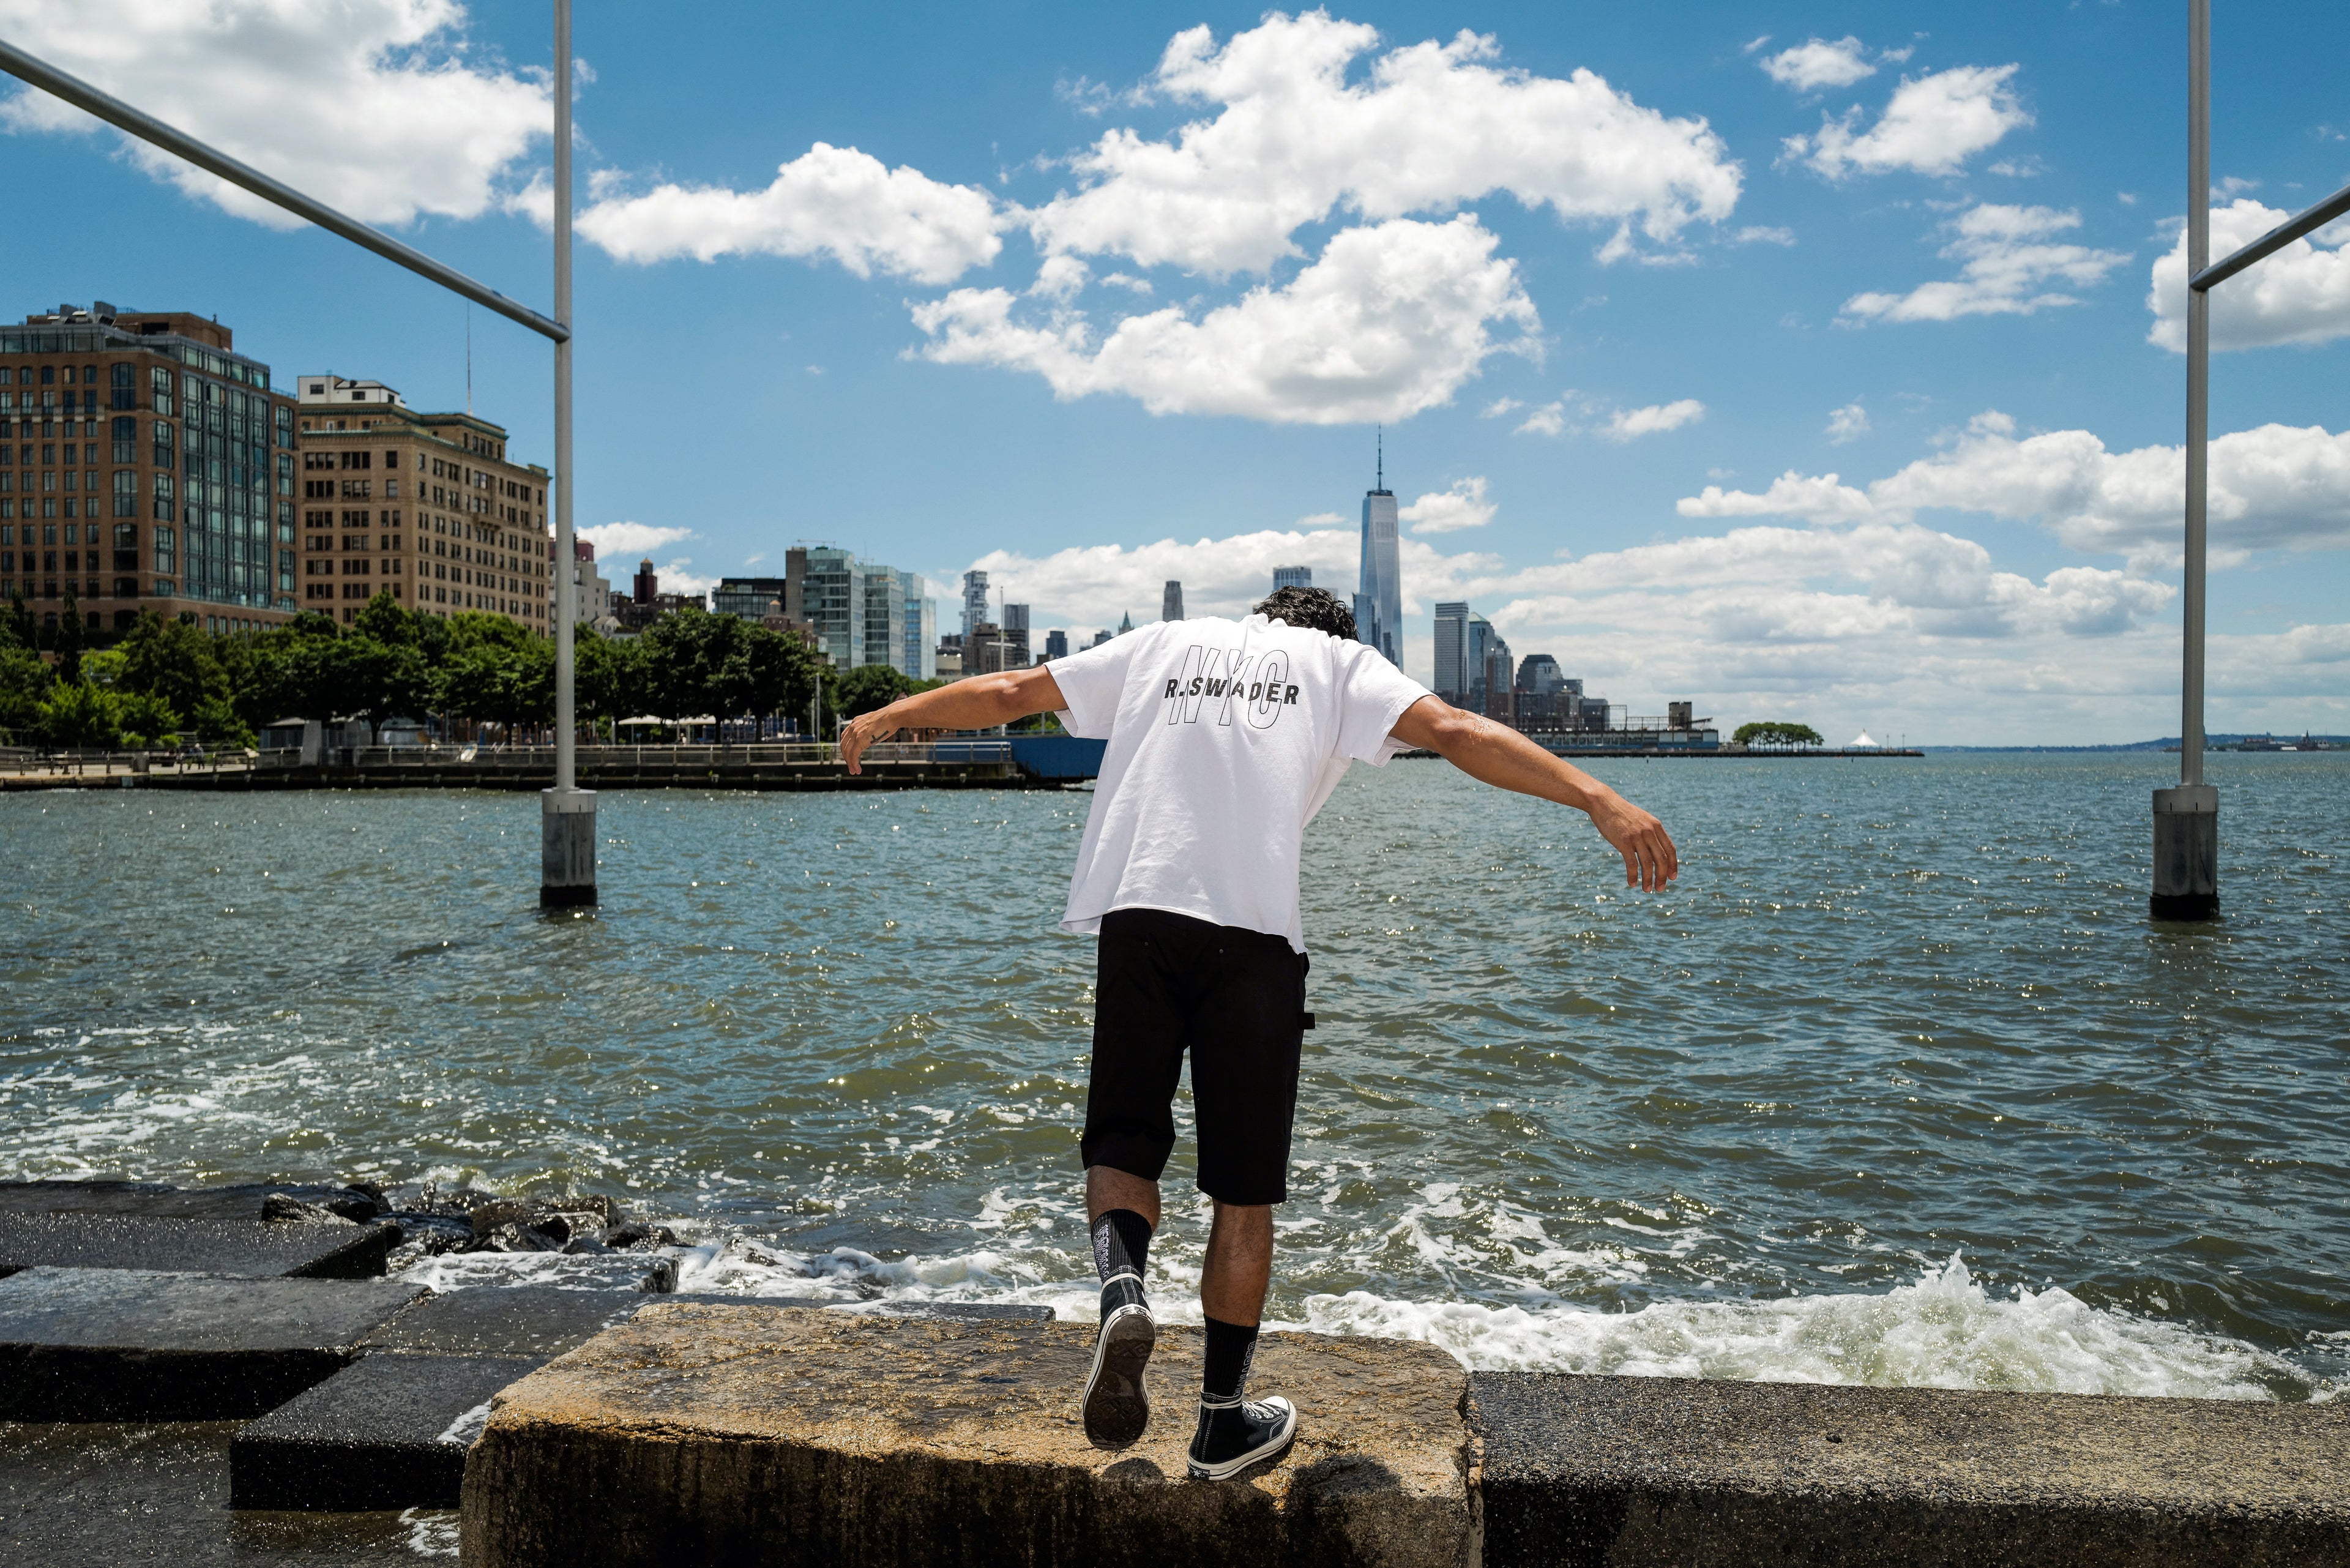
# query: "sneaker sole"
1117, 1410
1264, 1450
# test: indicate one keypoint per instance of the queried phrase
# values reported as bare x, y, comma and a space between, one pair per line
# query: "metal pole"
568, 820
2186, 819
2199, 383
147, 128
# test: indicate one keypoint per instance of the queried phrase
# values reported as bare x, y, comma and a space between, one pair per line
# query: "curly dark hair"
1310, 609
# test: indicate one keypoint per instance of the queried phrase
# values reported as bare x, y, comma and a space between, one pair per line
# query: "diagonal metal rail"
2275, 240
171, 138
567, 830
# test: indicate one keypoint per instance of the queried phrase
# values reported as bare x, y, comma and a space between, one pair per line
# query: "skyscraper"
1451, 650
1378, 601
920, 657
974, 603
1292, 578
1056, 644
1171, 601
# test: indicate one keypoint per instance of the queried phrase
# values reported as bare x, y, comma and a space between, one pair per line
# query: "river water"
1897, 1086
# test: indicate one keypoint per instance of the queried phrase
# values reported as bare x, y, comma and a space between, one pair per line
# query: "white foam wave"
1943, 1331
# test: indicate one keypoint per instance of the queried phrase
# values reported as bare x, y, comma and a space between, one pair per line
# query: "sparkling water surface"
1898, 1085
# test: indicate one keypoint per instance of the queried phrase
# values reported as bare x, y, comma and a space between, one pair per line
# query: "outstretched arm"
979, 703
1498, 755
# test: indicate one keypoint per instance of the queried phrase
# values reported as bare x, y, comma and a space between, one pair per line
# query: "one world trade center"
1378, 600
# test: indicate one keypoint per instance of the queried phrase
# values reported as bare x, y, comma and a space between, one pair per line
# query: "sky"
1810, 361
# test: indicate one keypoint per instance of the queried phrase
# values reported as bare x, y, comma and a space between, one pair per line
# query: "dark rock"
253, 1248
553, 1215
639, 1233
113, 1345
588, 1245
389, 1431
508, 1320
283, 1207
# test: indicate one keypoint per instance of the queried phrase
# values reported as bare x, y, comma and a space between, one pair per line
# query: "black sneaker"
1235, 1436
1116, 1410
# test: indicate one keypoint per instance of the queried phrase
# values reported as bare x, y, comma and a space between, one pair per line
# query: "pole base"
2183, 906
567, 848
2186, 854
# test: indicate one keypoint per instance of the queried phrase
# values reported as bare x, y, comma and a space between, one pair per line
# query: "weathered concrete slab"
119, 1345
154, 1200
1632, 1472
704, 1433
99, 1493
547, 1320
387, 1431
252, 1248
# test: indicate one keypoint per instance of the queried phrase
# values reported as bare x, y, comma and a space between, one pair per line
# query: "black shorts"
1235, 999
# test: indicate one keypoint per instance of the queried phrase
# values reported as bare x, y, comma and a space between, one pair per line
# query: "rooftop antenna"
469, 359
1378, 436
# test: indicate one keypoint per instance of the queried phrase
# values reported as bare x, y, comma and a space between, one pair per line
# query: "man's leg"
1240, 1263
1108, 1187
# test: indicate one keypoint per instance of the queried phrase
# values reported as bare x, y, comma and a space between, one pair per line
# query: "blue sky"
1092, 298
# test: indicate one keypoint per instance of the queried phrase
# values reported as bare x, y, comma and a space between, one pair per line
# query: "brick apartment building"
423, 506
144, 464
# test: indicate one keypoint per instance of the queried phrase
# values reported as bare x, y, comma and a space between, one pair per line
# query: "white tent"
1862, 740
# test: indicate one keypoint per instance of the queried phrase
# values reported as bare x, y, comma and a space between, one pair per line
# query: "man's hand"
1650, 862
867, 730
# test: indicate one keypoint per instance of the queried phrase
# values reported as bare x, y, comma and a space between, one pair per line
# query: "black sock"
1121, 1243
1231, 1349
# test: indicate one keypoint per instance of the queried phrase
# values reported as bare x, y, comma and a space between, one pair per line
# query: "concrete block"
387, 1431
154, 1200
1641, 1473
250, 1247
705, 1433
157, 1492
547, 1320
119, 1344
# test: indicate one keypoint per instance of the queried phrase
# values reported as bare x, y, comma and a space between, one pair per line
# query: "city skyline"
1859, 393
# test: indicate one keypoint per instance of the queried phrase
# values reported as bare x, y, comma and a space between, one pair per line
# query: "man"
1224, 738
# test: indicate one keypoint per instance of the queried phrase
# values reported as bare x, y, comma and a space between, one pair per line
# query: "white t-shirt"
1225, 737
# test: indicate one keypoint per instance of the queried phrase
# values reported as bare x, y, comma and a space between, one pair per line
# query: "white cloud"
678, 577
638, 539
833, 202
2300, 294
1390, 320
1757, 235
2009, 257
1425, 127
1932, 126
1849, 422
1821, 63
379, 107
1630, 424
1498, 407
2272, 487
1548, 420
1448, 511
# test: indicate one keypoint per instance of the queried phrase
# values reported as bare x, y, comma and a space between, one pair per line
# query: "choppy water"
1899, 1085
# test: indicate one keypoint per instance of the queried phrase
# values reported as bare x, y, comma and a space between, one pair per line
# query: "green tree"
1775, 732
173, 661
66, 641
146, 720
18, 628
24, 682
80, 717
872, 686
